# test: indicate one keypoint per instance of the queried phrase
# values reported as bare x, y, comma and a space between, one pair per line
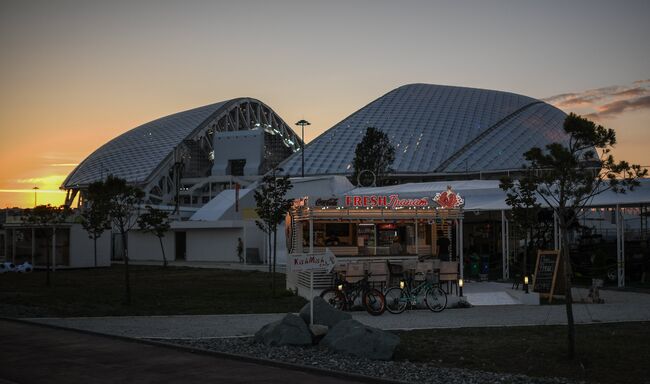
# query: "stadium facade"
204, 164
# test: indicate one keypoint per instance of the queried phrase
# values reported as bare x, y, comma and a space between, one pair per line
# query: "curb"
230, 356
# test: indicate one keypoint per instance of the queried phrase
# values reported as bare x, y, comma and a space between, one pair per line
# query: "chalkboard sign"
546, 272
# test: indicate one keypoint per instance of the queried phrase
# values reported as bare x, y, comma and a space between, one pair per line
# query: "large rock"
324, 313
291, 330
350, 336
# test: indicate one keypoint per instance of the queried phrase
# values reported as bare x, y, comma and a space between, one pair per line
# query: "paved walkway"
618, 307
35, 354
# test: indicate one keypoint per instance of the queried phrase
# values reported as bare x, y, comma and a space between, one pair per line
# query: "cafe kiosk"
375, 228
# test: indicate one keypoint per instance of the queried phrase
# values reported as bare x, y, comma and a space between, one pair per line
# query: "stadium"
203, 165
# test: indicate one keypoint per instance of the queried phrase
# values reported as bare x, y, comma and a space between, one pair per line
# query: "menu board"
546, 272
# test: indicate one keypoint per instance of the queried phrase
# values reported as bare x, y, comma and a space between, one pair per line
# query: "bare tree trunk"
566, 259
275, 247
163, 252
95, 248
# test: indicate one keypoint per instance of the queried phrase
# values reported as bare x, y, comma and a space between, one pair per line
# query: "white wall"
144, 246
82, 249
218, 244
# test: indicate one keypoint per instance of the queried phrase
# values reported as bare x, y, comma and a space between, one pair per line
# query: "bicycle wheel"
436, 299
334, 297
373, 301
396, 300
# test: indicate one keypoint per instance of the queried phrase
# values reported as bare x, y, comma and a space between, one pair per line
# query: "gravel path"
402, 371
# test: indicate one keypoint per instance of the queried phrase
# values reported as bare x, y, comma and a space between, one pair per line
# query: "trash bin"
474, 269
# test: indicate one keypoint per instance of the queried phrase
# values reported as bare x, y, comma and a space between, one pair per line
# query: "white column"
507, 248
311, 273
556, 229
620, 247
311, 235
460, 248
416, 235
503, 246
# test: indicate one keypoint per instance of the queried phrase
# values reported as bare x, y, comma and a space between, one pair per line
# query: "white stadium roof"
439, 129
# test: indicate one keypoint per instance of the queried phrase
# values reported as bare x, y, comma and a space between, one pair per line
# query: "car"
7, 267
25, 267
599, 261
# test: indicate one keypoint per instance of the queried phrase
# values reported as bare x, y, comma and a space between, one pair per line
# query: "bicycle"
344, 295
398, 298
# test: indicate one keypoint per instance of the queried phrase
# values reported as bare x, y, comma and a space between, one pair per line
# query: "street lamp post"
35, 189
302, 124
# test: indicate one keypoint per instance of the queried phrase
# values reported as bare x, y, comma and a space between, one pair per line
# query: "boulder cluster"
332, 329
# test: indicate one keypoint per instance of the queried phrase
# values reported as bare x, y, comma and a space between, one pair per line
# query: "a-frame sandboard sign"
546, 273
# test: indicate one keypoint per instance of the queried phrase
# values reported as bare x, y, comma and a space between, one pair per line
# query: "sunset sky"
75, 74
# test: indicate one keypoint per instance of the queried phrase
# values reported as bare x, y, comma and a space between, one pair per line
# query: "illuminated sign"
449, 199
331, 202
390, 201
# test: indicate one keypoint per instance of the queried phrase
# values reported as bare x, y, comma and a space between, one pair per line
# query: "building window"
237, 167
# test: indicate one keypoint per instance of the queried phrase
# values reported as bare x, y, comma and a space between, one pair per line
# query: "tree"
568, 177
95, 217
522, 197
123, 205
374, 153
272, 208
156, 221
45, 217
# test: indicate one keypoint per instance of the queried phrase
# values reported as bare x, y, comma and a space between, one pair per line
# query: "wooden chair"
354, 272
423, 269
449, 274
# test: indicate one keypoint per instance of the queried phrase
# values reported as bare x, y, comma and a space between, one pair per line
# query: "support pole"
311, 273
556, 237
620, 247
507, 248
460, 248
416, 235
503, 246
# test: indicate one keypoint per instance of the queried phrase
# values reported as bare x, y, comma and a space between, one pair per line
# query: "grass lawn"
605, 353
155, 291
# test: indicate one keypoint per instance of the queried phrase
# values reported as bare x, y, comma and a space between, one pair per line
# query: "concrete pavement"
618, 307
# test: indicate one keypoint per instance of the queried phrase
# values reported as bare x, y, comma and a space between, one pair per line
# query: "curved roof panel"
438, 129
134, 155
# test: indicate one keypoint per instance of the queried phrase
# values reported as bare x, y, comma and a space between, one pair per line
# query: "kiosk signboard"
546, 272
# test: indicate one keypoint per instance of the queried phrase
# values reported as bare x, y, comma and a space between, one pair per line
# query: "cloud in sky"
606, 101
618, 107
51, 182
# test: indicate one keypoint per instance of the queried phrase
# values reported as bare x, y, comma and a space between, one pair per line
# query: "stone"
350, 336
291, 330
324, 314
318, 329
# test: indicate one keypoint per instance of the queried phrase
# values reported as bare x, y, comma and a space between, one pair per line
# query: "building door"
181, 245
